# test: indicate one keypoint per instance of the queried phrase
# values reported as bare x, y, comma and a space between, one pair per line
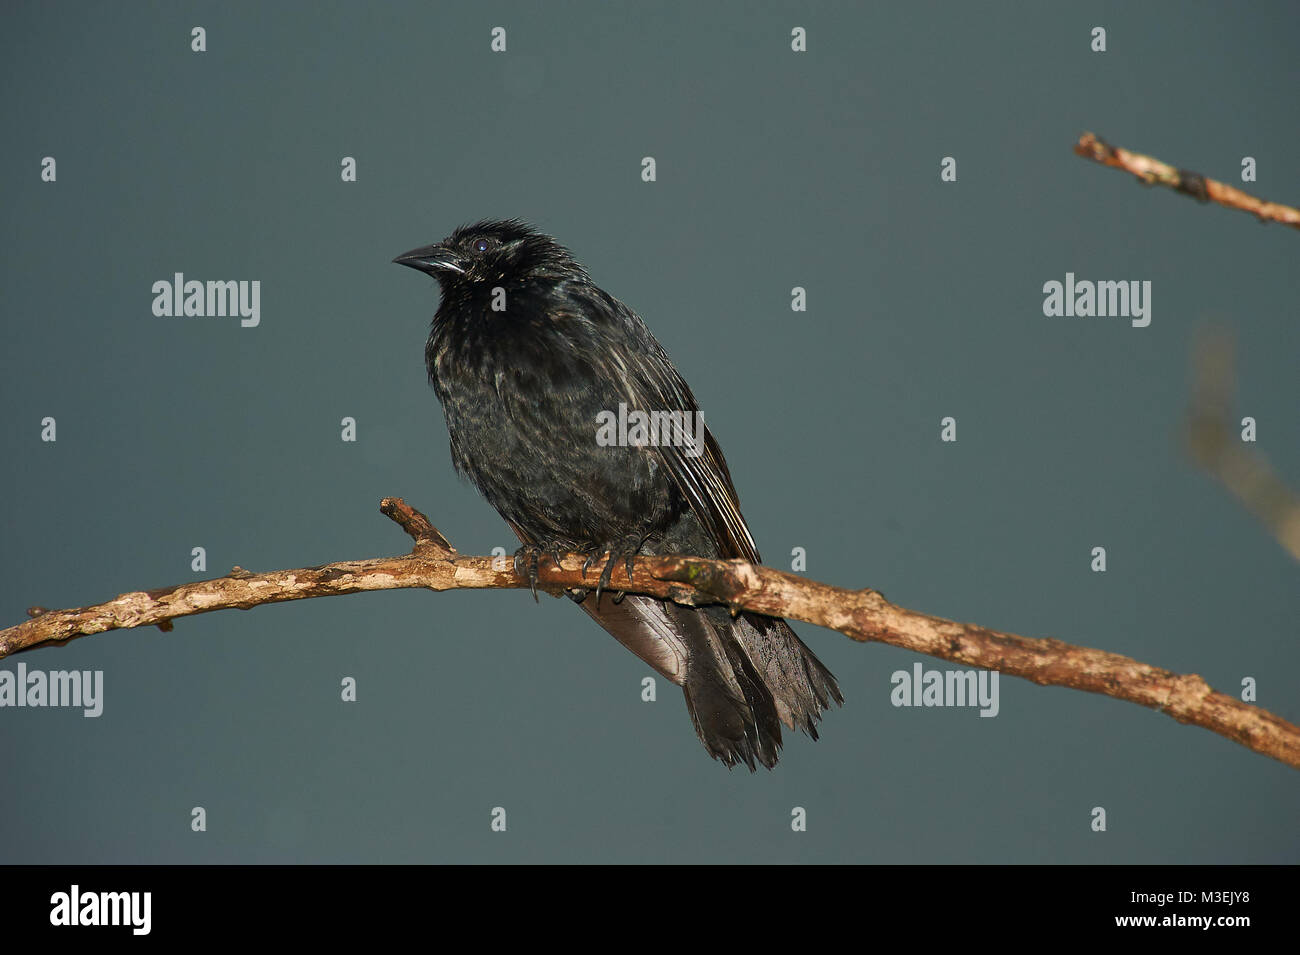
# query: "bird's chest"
525, 427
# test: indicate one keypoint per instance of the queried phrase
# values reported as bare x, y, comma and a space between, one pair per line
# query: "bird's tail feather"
742, 677
800, 683
733, 711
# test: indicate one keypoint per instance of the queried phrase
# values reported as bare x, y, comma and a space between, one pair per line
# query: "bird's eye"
480, 245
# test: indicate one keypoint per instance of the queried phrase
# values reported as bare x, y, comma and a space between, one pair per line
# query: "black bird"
529, 359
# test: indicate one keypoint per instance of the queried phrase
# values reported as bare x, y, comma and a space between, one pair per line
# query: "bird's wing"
633, 358
700, 474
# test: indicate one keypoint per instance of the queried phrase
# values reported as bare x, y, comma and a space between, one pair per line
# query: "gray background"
775, 169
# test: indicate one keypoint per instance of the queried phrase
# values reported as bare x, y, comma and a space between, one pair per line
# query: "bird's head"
492, 252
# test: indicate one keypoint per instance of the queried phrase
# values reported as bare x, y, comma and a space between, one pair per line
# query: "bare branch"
863, 615
427, 539
1154, 172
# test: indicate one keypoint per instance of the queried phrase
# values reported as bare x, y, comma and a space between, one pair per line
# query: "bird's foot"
526, 559
529, 556
624, 549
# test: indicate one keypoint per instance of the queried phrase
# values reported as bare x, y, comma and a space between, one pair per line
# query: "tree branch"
863, 615
1153, 172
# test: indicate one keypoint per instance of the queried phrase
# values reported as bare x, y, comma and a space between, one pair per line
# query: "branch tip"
428, 541
1152, 172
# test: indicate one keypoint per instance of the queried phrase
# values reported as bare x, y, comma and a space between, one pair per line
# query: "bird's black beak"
433, 259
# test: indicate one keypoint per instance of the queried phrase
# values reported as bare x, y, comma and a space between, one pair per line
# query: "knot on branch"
718, 580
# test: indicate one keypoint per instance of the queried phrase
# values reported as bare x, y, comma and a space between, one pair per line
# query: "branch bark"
863, 615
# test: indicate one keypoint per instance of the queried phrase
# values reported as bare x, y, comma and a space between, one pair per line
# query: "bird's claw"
526, 560
625, 550
591, 552
529, 556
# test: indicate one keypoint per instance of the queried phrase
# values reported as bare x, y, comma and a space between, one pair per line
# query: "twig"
1154, 172
863, 615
